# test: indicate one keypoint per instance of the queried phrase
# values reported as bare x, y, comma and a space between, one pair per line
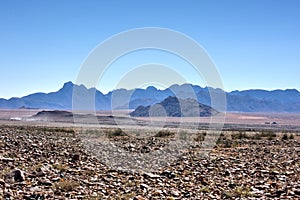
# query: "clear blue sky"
254, 43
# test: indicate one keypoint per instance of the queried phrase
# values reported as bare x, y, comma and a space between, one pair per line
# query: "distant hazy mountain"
240, 101
174, 107
62, 99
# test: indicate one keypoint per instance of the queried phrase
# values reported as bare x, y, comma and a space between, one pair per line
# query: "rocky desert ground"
48, 161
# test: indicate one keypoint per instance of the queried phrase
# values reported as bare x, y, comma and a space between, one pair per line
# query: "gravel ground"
51, 163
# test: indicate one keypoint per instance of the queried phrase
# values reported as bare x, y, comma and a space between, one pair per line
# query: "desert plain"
44, 155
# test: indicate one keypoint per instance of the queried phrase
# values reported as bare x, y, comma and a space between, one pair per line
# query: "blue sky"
254, 44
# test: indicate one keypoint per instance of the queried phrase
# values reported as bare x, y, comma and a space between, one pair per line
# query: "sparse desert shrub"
99, 196
60, 167
115, 133
64, 130
265, 134
242, 192
227, 143
205, 189
164, 133
66, 186
127, 196
35, 167
200, 137
90, 172
58, 129
95, 133
183, 135
224, 142
292, 137
268, 134
257, 136
285, 136
4, 171
170, 198
240, 135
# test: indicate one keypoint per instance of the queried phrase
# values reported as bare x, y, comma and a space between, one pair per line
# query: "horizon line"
145, 88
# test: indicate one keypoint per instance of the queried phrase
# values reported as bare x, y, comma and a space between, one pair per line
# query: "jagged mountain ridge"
239, 101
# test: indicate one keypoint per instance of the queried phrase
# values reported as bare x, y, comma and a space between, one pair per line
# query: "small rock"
157, 192
289, 162
35, 189
75, 157
37, 196
297, 191
131, 178
289, 172
227, 173
18, 175
34, 145
7, 159
139, 198
264, 171
168, 174
55, 179
187, 194
144, 186
175, 193
274, 172
280, 192
150, 175
131, 145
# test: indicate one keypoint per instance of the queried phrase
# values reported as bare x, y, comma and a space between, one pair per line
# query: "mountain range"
237, 101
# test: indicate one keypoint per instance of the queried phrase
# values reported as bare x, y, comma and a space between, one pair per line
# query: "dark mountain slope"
174, 107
